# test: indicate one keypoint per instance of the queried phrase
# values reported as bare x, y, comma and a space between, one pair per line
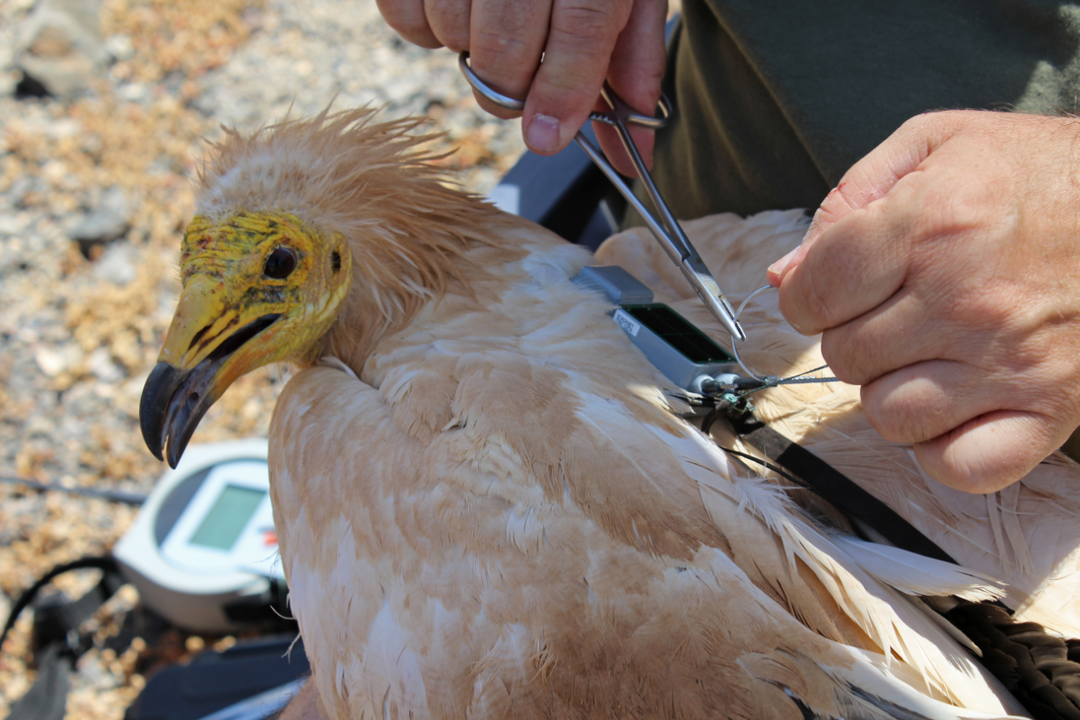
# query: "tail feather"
914, 574
861, 686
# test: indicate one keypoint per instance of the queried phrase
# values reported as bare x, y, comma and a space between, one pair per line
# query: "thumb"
871, 179
989, 452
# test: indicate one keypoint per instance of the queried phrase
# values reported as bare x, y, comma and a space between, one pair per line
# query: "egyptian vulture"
486, 504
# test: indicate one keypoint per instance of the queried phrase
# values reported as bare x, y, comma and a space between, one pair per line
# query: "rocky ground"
94, 191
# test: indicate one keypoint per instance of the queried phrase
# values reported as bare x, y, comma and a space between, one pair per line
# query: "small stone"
105, 223
27, 335
134, 92
117, 264
10, 225
54, 362
9, 81
120, 47
50, 361
59, 46
63, 128
100, 363
40, 425
55, 171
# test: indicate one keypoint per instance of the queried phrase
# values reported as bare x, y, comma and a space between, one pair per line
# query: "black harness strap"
1040, 669
837, 488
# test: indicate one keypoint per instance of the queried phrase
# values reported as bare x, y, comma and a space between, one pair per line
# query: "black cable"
775, 468
104, 563
709, 419
113, 495
706, 425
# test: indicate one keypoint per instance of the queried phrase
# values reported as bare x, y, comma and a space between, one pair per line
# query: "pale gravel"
78, 337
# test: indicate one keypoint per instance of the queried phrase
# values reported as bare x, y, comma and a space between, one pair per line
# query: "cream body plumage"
485, 503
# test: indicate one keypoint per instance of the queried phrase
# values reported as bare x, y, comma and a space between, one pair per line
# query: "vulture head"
311, 237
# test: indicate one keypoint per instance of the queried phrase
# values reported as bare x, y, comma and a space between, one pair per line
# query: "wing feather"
1027, 535
505, 519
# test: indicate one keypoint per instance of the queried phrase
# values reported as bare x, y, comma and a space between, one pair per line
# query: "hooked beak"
175, 399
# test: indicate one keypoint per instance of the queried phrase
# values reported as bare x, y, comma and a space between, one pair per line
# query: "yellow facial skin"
237, 313
225, 288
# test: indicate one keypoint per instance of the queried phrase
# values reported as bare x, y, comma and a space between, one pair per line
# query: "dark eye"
280, 263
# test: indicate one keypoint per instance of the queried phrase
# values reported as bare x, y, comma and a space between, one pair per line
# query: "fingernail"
778, 267
543, 134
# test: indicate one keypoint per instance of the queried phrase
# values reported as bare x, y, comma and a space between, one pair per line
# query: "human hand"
582, 43
944, 275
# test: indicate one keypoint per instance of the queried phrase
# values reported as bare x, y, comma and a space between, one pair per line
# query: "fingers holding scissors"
587, 42
634, 73
505, 39
581, 42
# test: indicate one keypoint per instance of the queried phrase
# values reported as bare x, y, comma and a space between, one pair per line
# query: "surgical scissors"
667, 231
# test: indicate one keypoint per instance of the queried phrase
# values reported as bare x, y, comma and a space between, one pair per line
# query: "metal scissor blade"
671, 238
667, 230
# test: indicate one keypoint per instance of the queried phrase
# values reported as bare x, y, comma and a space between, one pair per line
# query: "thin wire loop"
751, 296
793, 380
734, 340
738, 359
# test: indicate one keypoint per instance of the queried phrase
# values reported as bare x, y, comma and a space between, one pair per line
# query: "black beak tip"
176, 451
154, 404
173, 401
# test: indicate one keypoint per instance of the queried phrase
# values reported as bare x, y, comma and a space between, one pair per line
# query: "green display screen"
227, 518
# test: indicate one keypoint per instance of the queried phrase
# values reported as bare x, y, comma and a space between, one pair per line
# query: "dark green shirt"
776, 100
